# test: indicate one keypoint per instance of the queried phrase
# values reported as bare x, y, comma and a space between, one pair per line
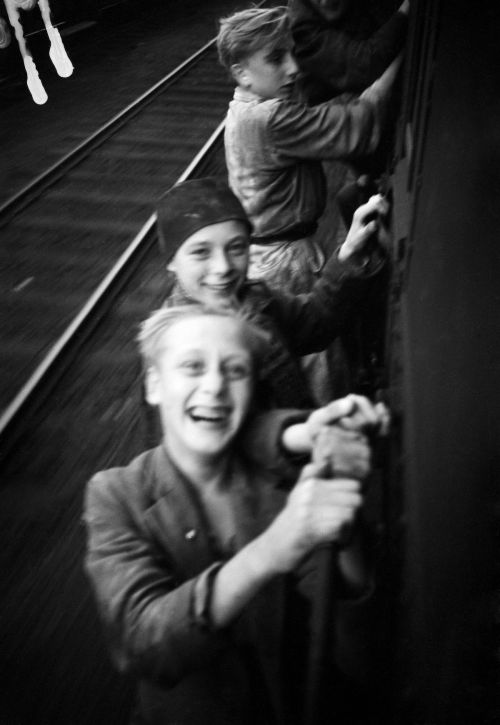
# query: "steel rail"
102, 295
40, 183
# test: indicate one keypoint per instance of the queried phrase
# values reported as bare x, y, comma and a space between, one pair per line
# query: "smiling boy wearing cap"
208, 223
204, 234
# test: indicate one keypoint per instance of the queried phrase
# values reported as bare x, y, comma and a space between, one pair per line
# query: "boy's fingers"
317, 469
369, 207
376, 204
364, 413
384, 418
369, 229
334, 411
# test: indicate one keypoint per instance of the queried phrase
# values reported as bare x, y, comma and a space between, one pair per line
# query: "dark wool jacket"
340, 47
298, 325
151, 559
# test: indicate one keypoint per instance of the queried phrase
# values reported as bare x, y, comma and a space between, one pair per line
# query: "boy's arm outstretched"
315, 319
342, 61
333, 130
316, 512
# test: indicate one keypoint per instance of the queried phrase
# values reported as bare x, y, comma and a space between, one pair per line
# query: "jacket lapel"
176, 521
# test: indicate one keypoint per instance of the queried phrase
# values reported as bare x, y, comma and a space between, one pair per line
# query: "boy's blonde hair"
248, 31
151, 335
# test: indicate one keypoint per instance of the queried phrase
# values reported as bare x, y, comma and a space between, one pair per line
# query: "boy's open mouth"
203, 414
222, 287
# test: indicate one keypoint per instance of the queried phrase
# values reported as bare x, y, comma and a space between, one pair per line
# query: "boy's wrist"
353, 258
260, 561
345, 252
296, 439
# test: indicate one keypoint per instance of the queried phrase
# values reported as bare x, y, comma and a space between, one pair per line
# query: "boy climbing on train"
203, 567
204, 234
342, 47
275, 145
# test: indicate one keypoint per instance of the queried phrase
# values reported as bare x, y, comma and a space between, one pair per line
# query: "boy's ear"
239, 74
171, 266
152, 385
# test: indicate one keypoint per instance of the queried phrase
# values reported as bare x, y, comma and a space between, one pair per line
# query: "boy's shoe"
58, 55
35, 85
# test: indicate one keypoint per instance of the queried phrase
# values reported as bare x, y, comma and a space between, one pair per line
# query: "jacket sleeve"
331, 130
157, 627
343, 61
261, 442
313, 320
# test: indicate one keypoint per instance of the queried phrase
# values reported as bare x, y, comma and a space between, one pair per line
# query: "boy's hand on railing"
404, 7
367, 221
317, 512
344, 425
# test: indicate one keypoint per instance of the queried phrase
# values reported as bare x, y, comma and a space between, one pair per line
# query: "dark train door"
444, 345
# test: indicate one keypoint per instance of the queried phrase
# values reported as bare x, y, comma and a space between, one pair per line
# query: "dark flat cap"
192, 205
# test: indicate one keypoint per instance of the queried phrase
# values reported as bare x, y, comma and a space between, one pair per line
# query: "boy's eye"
276, 56
199, 252
192, 367
237, 370
238, 248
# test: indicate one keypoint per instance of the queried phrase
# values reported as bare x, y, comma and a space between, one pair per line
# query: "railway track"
86, 416
79, 269
64, 232
73, 396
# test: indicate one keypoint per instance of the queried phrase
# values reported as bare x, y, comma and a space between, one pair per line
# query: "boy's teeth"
207, 415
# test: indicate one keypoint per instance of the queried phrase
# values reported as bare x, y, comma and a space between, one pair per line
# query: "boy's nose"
291, 66
220, 263
213, 381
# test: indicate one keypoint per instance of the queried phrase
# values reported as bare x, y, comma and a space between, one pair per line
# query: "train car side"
445, 366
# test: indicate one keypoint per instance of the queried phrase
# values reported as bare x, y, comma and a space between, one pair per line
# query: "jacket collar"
175, 518
254, 296
242, 94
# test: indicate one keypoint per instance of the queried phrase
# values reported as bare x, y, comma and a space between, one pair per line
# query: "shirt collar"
242, 94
